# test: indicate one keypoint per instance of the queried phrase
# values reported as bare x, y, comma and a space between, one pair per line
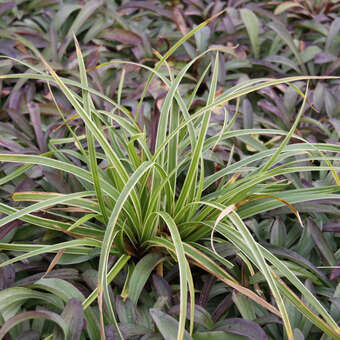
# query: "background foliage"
64, 208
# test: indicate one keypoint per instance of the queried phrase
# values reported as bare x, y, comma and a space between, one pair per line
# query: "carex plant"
158, 202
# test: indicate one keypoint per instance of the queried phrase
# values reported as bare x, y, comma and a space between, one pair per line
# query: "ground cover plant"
178, 195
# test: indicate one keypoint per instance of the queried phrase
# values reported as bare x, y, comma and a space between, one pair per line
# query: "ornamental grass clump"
150, 198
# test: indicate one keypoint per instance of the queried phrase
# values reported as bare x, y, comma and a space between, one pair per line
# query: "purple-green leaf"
167, 325
126, 310
73, 314
321, 243
161, 285
7, 276
217, 335
243, 327
41, 314
34, 111
121, 35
